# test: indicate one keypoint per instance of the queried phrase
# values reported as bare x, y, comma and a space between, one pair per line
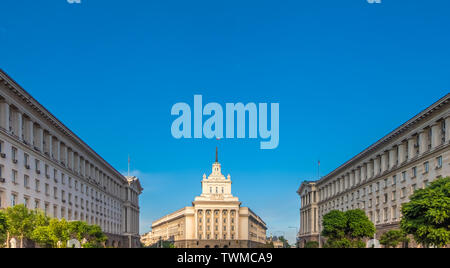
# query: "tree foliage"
312, 244
3, 228
393, 238
20, 222
427, 215
346, 229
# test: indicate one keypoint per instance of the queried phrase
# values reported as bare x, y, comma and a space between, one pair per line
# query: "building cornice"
426, 113
32, 103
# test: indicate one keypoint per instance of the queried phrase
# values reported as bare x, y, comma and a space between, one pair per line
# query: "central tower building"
216, 219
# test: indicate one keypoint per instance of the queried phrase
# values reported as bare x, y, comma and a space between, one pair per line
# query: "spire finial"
217, 155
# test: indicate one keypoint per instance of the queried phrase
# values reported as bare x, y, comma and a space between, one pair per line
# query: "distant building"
382, 177
45, 166
215, 220
277, 243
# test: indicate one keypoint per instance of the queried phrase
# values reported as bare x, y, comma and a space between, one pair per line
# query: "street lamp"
296, 234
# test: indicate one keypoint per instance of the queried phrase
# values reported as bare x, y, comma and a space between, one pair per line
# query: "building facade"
382, 177
45, 166
215, 220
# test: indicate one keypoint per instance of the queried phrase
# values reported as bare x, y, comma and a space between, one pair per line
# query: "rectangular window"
26, 159
403, 192
14, 176
413, 188
439, 162
37, 186
26, 181
394, 193
26, 202
37, 164
394, 180
14, 154
13, 199
426, 167
414, 172
404, 176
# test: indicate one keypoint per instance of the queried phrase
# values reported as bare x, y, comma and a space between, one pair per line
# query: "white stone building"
216, 219
382, 177
46, 166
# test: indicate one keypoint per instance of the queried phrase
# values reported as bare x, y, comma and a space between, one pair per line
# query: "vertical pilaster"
435, 135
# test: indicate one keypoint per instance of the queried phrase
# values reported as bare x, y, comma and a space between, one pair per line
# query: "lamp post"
296, 235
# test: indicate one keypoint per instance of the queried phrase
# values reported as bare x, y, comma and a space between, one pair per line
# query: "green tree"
285, 242
346, 229
20, 222
427, 215
78, 230
393, 238
3, 228
58, 231
95, 236
312, 244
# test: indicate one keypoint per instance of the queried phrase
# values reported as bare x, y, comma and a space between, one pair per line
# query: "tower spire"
217, 155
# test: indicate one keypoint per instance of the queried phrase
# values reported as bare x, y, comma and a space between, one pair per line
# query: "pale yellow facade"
216, 219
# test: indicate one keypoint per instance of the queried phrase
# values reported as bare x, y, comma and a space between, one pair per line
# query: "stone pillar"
229, 224
236, 224
20, 125
401, 153
411, 148
204, 224
383, 162
221, 224
40, 144
370, 171
392, 157
435, 135
422, 142
358, 175
30, 133
4, 115
447, 128
376, 166
363, 172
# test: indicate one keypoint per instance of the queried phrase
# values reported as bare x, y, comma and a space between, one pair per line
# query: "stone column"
447, 128
392, 157
435, 135
370, 168
30, 133
383, 162
401, 153
4, 112
221, 224
422, 142
376, 166
204, 224
411, 148
358, 175
236, 224
20, 125
363, 172
228, 224
40, 144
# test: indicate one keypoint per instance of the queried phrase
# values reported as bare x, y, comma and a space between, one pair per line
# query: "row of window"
71, 215
376, 187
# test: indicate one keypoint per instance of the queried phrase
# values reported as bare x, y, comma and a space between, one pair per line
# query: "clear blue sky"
344, 72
